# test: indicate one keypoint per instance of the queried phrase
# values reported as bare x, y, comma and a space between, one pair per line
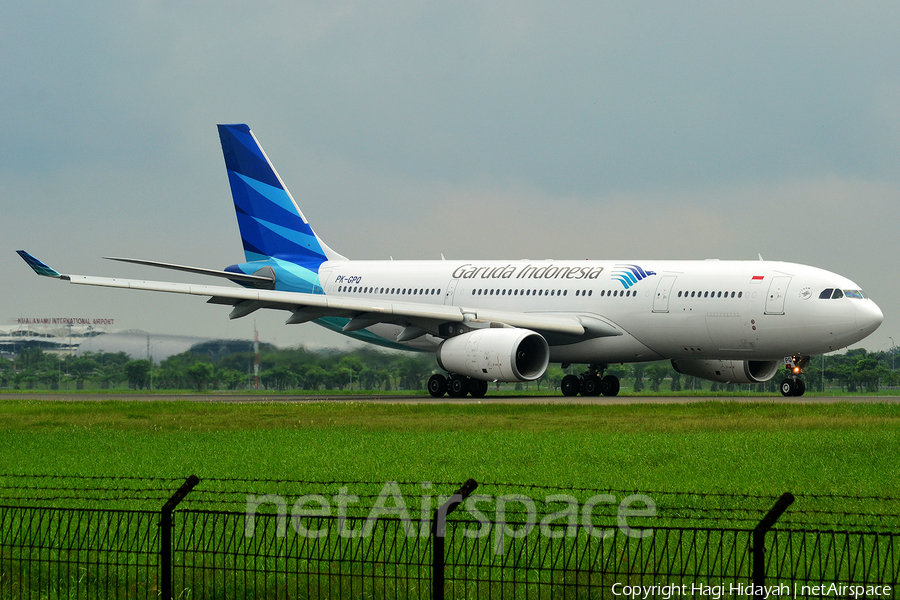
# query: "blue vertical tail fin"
271, 224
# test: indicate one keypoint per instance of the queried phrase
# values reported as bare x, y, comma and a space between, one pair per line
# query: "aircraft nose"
868, 317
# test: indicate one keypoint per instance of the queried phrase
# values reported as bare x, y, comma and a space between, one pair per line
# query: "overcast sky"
476, 130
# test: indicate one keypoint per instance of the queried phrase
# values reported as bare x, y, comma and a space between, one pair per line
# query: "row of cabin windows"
711, 294
517, 292
358, 289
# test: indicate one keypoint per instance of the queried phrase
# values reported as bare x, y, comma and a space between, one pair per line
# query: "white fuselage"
660, 309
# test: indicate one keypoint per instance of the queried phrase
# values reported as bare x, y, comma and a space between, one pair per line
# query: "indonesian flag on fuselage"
757, 279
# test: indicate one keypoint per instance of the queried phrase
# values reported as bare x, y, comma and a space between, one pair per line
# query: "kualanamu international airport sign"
61, 321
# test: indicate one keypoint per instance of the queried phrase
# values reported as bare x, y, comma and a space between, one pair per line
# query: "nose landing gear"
793, 386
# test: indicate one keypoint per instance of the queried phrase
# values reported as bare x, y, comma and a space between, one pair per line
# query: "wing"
418, 318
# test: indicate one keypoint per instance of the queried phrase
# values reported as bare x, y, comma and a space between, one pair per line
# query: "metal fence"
232, 538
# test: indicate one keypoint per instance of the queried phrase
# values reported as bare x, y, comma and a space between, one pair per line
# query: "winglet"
38, 267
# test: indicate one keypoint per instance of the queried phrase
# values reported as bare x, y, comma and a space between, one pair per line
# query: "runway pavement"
425, 399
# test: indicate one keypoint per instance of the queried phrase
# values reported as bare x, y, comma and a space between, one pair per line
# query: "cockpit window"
826, 294
837, 294
853, 294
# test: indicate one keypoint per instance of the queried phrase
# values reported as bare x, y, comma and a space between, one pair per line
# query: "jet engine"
729, 371
501, 354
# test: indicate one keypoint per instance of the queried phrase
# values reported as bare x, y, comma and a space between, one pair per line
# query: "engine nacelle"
501, 354
729, 371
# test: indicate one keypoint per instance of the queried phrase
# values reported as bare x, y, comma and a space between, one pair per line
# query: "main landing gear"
591, 383
792, 386
456, 386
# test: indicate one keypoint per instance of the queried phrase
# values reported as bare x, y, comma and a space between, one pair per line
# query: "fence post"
165, 536
759, 543
439, 530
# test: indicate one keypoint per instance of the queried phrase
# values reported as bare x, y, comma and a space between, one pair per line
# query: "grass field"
765, 448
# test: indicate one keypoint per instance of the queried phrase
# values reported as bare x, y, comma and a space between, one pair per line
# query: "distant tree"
138, 373
82, 368
656, 372
552, 377
232, 379
637, 371
412, 372
676, 381
868, 373
314, 376
200, 373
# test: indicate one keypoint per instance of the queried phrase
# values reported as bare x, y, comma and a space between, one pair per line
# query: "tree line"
218, 366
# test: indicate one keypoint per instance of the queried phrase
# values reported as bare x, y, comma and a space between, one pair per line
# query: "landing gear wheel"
610, 385
458, 386
437, 385
801, 387
789, 387
590, 386
570, 385
478, 388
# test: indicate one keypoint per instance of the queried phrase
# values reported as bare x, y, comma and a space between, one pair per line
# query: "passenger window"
740, 294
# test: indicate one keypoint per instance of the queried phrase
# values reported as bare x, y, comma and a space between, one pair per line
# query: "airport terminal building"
76, 336
65, 336
57, 335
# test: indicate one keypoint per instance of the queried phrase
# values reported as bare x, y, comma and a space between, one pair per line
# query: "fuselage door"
777, 293
451, 289
663, 290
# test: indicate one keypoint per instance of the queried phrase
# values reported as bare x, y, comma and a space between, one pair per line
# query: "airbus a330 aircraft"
726, 321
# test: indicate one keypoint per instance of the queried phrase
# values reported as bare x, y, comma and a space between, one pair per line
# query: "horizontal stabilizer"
256, 280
